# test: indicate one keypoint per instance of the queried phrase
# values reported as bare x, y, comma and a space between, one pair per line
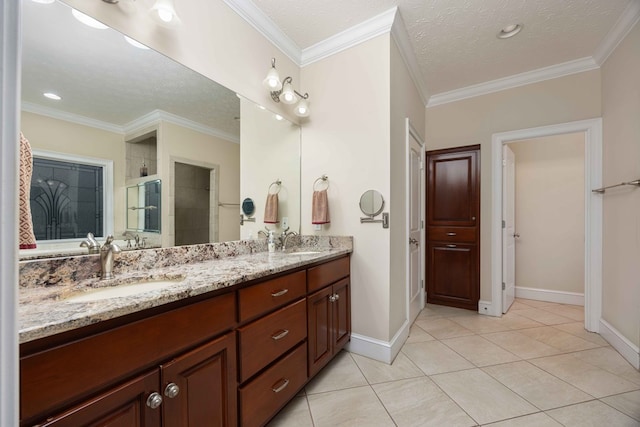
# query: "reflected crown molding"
146, 120
156, 116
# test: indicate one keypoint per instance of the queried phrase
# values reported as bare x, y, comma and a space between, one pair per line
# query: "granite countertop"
44, 311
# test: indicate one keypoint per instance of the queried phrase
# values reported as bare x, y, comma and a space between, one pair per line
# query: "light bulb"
288, 96
302, 109
164, 13
87, 20
272, 81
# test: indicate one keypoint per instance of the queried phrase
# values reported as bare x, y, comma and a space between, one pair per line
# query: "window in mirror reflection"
67, 199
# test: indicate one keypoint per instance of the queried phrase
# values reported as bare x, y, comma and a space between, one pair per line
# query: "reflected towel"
271, 209
320, 208
27, 240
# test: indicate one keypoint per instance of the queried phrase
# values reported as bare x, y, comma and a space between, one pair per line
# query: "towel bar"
603, 189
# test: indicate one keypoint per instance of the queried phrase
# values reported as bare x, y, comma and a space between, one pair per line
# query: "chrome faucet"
91, 244
106, 257
284, 237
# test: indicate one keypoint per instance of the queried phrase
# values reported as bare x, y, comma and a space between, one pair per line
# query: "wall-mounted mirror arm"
384, 220
372, 204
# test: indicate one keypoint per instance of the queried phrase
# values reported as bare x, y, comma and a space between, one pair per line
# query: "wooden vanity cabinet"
233, 359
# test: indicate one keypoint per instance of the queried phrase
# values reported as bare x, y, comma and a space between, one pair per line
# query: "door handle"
413, 241
516, 235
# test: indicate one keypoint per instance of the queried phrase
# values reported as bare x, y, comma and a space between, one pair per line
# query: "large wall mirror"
154, 119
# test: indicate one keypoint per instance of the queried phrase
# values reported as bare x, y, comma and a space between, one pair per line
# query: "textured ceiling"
455, 40
102, 77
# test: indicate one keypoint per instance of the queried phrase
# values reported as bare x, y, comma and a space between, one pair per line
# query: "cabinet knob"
336, 297
154, 400
332, 298
171, 390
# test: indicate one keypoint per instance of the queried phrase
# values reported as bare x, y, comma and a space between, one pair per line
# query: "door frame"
592, 129
411, 132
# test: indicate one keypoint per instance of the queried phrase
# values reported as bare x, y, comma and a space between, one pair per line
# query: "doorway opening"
194, 201
544, 217
592, 267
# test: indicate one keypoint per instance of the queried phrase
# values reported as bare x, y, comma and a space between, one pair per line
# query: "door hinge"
422, 224
421, 283
504, 224
504, 286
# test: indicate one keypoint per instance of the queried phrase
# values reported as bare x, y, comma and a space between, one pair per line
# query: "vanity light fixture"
164, 13
509, 31
87, 20
283, 91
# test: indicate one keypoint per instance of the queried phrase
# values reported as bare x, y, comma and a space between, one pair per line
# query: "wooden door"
453, 221
341, 324
122, 406
206, 386
319, 334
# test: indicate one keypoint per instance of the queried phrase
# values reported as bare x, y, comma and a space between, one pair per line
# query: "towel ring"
277, 183
323, 179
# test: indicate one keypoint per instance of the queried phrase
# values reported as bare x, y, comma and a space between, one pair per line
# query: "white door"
508, 228
416, 222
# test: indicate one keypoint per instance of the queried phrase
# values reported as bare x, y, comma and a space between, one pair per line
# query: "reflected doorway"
192, 203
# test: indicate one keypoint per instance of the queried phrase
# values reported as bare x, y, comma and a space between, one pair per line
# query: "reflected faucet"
91, 244
284, 237
106, 257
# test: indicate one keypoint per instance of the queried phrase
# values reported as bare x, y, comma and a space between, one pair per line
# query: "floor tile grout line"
616, 409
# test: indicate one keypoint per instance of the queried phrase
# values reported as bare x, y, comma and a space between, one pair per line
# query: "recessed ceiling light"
52, 95
279, 117
135, 43
87, 20
43, 1
509, 31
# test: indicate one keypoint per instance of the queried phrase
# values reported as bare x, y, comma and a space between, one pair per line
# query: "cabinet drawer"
271, 390
266, 296
452, 234
55, 378
325, 274
264, 340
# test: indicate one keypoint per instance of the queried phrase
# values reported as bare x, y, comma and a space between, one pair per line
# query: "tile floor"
536, 366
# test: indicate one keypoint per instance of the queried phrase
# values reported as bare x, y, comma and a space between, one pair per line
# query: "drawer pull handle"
279, 293
285, 383
452, 234
452, 246
281, 335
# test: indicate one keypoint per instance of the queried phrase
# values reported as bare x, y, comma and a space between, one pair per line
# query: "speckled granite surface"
46, 284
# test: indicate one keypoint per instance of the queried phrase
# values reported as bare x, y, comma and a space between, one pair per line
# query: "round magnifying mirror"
371, 203
248, 207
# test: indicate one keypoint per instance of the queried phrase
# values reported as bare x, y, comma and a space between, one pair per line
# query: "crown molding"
516, 80
401, 37
265, 26
618, 32
70, 117
373, 27
156, 116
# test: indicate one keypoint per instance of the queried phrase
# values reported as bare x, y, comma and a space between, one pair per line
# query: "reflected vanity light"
164, 13
135, 43
283, 91
43, 1
52, 95
87, 20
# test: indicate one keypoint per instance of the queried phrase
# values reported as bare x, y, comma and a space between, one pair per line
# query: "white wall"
549, 202
475, 120
621, 152
347, 138
405, 102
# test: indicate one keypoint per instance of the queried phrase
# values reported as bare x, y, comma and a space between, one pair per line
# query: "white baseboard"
559, 297
376, 349
626, 348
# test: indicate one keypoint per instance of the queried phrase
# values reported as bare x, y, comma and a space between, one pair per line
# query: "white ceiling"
454, 41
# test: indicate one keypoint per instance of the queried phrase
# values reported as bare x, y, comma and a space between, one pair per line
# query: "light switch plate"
317, 227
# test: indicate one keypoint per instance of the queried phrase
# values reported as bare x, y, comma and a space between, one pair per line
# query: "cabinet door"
453, 275
341, 314
205, 378
319, 323
123, 406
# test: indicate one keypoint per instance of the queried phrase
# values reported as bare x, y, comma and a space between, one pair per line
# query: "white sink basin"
121, 291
